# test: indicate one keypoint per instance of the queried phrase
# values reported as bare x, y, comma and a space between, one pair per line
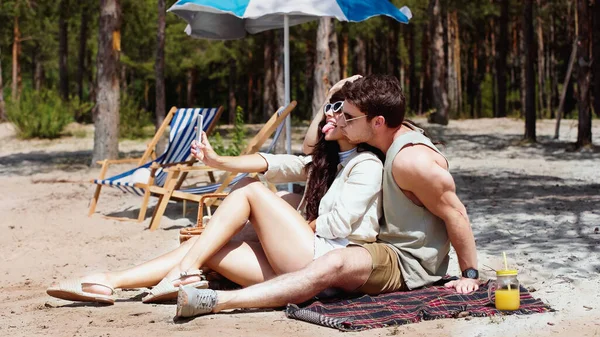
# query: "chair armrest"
201, 205
195, 168
188, 163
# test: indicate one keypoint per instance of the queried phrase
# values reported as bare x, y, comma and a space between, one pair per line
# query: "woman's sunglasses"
333, 107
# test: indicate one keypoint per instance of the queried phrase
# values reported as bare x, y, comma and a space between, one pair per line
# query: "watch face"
472, 273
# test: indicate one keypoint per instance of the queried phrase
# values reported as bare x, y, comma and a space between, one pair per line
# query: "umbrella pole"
286, 77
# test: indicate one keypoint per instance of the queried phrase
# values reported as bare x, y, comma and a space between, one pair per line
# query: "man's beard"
360, 137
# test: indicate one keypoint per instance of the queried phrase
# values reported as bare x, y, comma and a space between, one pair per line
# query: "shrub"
133, 120
238, 140
40, 114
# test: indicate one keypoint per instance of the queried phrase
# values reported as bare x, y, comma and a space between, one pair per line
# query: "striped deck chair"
170, 190
151, 170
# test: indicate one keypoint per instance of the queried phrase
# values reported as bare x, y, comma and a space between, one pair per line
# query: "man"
422, 214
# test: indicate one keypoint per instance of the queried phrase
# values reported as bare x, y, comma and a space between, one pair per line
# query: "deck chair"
137, 180
171, 191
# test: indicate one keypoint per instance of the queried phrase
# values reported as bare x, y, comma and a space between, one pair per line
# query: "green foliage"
238, 140
40, 114
134, 122
239, 131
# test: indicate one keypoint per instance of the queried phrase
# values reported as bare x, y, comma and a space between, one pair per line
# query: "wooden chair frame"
170, 190
149, 154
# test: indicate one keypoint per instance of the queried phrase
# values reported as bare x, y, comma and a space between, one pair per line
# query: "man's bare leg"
347, 268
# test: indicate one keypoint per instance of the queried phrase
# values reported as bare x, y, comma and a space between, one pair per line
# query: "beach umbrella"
233, 19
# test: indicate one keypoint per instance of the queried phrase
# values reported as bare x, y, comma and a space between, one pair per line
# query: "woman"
341, 205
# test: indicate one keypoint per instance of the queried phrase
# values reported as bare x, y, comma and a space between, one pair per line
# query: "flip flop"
165, 291
72, 290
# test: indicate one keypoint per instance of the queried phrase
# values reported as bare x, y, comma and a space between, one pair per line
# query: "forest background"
456, 59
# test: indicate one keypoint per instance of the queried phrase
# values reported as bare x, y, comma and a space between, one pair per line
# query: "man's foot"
193, 302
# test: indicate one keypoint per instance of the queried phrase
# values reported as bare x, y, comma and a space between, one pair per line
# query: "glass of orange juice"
504, 292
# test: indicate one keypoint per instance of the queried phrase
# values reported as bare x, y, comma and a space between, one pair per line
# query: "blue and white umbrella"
232, 19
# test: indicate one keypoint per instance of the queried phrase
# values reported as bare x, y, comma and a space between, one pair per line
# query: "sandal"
165, 290
72, 290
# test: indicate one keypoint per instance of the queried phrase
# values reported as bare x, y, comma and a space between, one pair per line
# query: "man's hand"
463, 285
204, 152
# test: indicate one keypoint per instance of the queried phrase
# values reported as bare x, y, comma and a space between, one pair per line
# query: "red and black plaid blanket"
368, 312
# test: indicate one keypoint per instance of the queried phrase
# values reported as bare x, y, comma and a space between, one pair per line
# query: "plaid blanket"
368, 312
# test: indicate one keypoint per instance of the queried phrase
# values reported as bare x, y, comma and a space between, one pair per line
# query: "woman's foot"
193, 302
93, 288
167, 288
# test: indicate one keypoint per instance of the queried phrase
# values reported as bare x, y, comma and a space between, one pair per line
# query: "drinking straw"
505, 266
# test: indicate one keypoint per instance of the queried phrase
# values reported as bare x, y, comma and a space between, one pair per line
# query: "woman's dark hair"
321, 172
323, 168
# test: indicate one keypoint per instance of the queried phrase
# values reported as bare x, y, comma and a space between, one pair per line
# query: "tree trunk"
551, 71
323, 64
360, 52
16, 66
394, 39
438, 66
528, 43
2, 106
269, 105
501, 51
250, 104
83, 28
278, 69
413, 84
522, 64
540, 62
309, 77
596, 56
191, 87
159, 74
90, 73
424, 85
232, 88
63, 49
454, 94
566, 85
279, 84
38, 72
584, 130
344, 51
146, 95
106, 135
333, 65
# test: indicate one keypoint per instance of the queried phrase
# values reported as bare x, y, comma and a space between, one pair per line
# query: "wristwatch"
471, 273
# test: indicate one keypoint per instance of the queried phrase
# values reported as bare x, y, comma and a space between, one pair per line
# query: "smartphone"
200, 121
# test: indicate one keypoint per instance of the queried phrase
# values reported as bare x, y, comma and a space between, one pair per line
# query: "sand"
539, 203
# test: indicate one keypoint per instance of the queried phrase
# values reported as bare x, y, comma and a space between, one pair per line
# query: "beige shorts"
386, 276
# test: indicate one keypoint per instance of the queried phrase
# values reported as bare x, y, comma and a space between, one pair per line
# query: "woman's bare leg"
244, 263
146, 274
286, 238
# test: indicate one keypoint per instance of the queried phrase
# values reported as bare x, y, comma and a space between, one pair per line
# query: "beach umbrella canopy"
232, 19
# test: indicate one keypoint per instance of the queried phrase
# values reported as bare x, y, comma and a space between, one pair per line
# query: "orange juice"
507, 299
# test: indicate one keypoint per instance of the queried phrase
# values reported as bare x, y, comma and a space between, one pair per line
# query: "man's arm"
417, 172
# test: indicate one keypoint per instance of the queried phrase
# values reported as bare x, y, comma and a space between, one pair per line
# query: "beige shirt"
418, 236
351, 207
